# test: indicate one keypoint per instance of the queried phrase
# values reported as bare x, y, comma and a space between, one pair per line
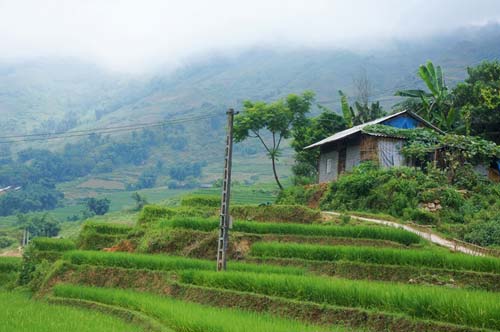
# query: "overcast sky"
136, 35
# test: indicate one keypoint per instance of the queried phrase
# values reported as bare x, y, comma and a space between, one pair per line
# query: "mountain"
61, 94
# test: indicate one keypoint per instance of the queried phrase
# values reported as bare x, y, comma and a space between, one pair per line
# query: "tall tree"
271, 123
435, 105
312, 131
478, 97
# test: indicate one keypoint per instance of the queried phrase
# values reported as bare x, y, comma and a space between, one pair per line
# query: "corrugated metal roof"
359, 128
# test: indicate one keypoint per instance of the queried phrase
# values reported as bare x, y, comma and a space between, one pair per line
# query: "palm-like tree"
437, 104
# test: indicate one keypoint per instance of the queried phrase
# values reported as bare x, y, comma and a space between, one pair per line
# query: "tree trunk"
276, 174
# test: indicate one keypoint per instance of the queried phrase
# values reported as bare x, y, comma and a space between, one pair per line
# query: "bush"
481, 309
420, 216
201, 200
388, 256
6, 241
484, 234
369, 188
52, 244
280, 213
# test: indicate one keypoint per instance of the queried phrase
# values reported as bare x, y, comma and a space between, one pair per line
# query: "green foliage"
100, 235
10, 264
278, 118
478, 97
388, 256
52, 244
165, 263
98, 206
182, 171
420, 216
186, 316
437, 104
140, 201
361, 113
200, 200
151, 213
106, 227
6, 241
484, 233
39, 225
481, 309
284, 213
310, 131
32, 197
382, 190
362, 232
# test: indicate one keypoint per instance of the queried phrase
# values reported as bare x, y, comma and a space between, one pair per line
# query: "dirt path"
12, 253
428, 235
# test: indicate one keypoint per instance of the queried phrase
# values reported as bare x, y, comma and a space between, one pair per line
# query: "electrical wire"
102, 130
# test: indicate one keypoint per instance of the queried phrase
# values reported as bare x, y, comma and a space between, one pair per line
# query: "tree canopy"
271, 123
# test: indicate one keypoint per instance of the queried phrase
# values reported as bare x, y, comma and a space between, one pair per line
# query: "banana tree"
361, 113
436, 105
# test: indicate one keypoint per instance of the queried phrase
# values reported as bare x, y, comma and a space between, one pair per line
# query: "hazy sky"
135, 35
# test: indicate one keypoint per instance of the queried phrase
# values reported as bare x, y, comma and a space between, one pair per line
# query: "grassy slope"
21, 314
183, 316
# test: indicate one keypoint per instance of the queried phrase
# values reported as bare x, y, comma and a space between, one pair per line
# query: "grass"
390, 256
165, 263
10, 264
479, 309
365, 232
184, 316
107, 228
52, 244
20, 314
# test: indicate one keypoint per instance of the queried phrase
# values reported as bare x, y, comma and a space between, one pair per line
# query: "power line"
103, 130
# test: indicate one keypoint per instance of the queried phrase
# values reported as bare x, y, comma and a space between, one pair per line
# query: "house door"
342, 160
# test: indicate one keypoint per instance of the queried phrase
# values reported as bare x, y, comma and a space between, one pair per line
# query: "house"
347, 149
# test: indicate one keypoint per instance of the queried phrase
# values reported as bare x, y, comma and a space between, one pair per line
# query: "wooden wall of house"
369, 148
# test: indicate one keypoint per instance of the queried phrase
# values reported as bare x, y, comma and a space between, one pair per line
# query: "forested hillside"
64, 95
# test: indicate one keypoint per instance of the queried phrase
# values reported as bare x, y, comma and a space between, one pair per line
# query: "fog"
133, 36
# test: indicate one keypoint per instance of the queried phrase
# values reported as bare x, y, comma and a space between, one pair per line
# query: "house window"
329, 163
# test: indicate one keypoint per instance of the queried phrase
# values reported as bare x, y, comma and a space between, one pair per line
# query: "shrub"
52, 244
484, 234
201, 200
283, 213
479, 308
6, 241
420, 216
366, 232
369, 188
388, 256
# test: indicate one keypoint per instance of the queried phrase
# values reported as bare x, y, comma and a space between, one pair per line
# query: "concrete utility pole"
225, 218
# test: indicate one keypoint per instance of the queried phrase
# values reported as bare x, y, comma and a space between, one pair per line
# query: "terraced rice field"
359, 278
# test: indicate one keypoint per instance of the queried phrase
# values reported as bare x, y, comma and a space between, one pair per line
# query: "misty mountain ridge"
45, 89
